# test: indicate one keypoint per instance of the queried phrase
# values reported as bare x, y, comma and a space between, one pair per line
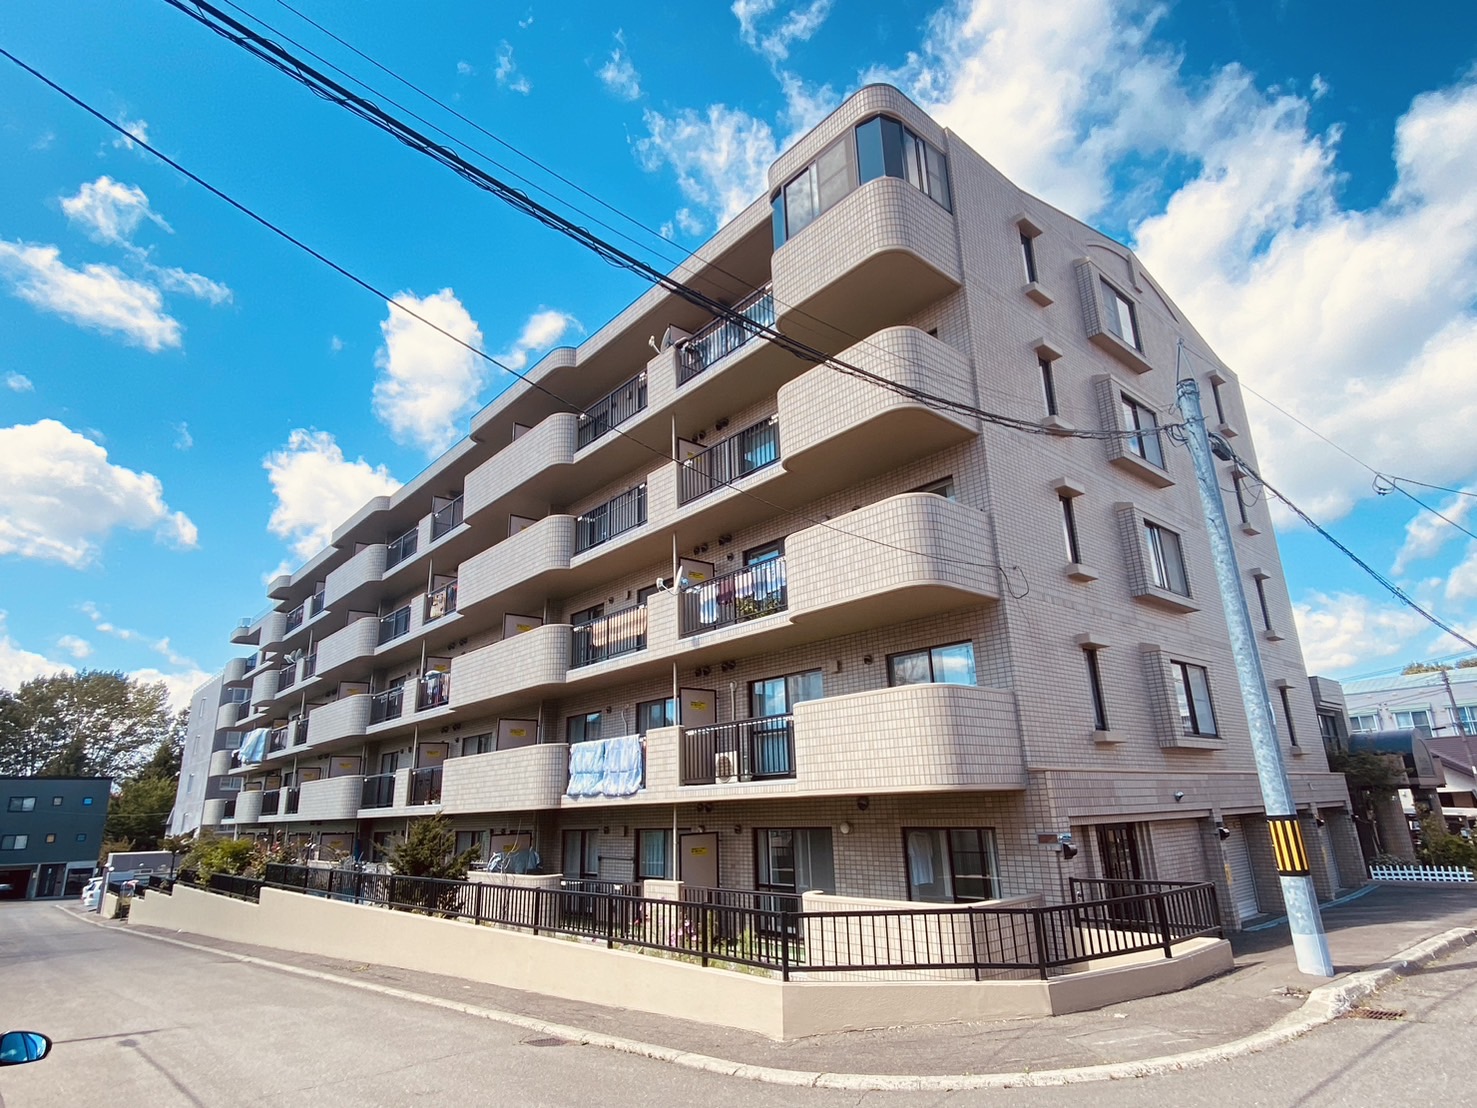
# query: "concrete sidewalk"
1264, 987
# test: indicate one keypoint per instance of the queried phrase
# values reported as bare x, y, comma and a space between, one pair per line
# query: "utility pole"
1456, 714
1308, 941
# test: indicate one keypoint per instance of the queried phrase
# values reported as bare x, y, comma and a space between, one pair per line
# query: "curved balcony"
518, 570
520, 667
354, 577
342, 719
264, 687
249, 806
348, 644
229, 713
331, 797
520, 780
524, 477
235, 669
220, 763
273, 630
213, 813
836, 422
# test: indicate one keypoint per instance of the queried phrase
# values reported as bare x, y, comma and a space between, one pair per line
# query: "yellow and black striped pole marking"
1287, 846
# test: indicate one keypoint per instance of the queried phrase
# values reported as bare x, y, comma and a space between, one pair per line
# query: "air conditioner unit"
673, 335
725, 767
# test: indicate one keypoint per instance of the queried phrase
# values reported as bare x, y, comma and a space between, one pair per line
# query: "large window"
1466, 720
1121, 316
818, 187
654, 854
583, 728
794, 859
1192, 690
885, 148
651, 714
14, 842
940, 665
1166, 559
1415, 717
581, 854
1145, 425
1362, 725
777, 696
23, 804
950, 865
480, 841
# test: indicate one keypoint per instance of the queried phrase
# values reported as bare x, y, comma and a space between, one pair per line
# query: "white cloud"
74, 645
138, 128
1461, 581
427, 381
19, 382
798, 24
317, 489
507, 73
1426, 534
335, 344
97, 296
466, 69
543, 329
60, 497
180, 686
721, 156
183, 440
18, 665
110, 211
618, 74
192, 284
1347, 629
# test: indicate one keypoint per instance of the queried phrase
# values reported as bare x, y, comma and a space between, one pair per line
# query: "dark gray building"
51, 829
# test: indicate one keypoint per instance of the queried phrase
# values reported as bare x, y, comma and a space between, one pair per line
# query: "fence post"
787, 918
609, 921
390, 892
1039, 915
1161, 912
974, 940
705, 925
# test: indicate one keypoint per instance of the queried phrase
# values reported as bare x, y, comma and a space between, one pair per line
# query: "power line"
1005, 571
1439, 488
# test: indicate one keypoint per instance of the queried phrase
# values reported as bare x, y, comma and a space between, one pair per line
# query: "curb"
1323, 1005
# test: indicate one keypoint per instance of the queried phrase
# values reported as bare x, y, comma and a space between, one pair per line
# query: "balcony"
523, 478
522, 779
394, 625
611, 411
286, 677
446, 519
608, 637
386, 705
228, 713
615, 517
271, 802
745, 594
290, 801
378, 791
294, 619
264, 686
316, 605
331, 797
517, 667
348, 644
300, 731
276, 740
519, 569
397, 550
433, 690
425, 786
354, 578
722, 337
344, 718
249, 806
310, 666
440, 602
743, 750
751, 449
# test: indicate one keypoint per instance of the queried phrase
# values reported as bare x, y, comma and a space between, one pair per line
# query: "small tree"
429, 850
1441, 848
209, 855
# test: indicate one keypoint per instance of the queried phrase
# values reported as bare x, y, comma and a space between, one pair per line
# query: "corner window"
938, 665
950, 865
1192, 690
584, 728
1166, 559
1145, 425
1120, 316
885, 148
23, 804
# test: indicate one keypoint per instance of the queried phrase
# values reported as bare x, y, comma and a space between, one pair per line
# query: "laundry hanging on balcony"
605, 767
253, 746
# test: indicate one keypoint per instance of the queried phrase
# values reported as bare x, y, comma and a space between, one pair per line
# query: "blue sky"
186, 403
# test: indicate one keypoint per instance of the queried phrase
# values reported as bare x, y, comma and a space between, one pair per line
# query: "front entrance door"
1238, 861
697, 860
48, 883
1118, 851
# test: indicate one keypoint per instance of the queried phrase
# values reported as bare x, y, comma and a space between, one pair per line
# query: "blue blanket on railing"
605, 767
253, 746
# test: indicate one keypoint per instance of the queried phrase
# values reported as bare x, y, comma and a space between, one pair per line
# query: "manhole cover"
1373, 1014
545, 1042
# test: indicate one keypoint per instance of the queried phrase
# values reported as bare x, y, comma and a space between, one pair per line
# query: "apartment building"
1442, 702
207, 788
696, 608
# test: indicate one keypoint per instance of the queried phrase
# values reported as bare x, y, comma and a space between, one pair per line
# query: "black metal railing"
397, 550
616, 516
440, 602
742, 750
289, 806
228, 884
608, 637
751, 449
722, 337
295, 618
277, 739
300, 731
315, 605
446, 518
379, 791
310, 665
744, 594
766, 929
287, 676
394, 625
433, 690
230, 809
425, 785
386, 705
271, 802
611, 411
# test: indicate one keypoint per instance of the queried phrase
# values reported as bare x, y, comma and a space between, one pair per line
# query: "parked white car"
91, 893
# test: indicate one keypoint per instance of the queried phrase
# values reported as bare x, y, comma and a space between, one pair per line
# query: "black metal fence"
425, 785
446, 518
271, 802
379, 791
397, 550
750, 449
616, 516
386, 705
722, 337
748, 593
769, 931
608, 637
394, 625
611, 411
242, 888
741, 750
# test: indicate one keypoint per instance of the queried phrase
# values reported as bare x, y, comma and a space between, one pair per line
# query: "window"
1215, 392
56, 802
769, 552
51, 838
651, 714
1466, 720
777, 696
479, 841
1416, 717
587, 615
1292, 735
1028, 256
1121, 317
479, 744
1237, 492
1192, 690
794, 859
654, 854
13, 842
1069, 528
1048, 385
1328, 727
944, 487
950, 865
885, 148
23, 804
1261, 596
1145, 427
82, 836
1362, 725
816, 190
1166, 559
584, 728
581, 853
940, 665
1095, 683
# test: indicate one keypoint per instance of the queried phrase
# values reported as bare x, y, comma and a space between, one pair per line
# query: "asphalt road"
139, 1022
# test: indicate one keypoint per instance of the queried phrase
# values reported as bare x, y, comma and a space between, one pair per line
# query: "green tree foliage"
430, 851
209, 854
92, 723
1440, 847
140, 810
1381, 774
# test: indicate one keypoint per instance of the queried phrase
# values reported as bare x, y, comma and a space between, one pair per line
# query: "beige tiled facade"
602, 570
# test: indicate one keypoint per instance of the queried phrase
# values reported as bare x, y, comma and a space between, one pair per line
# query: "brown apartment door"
698, 858
1118, 851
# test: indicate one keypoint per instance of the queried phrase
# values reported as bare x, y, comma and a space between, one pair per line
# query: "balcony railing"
441, 602
399, 549
616, 516
752, 448
379, 791
425, 786
394, 625
230, 809
433, 690
310, 665
290, 807
277, 739
386, 705
300, 731
271, 802
722, 337
446, 518
287, 676
743, 750
295, 618
608, 637
611, 411
748, 593
315, 605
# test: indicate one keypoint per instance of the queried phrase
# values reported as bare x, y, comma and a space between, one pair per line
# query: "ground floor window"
654, 854
950, 865
581, 854
381, 844
481, 841
794, 859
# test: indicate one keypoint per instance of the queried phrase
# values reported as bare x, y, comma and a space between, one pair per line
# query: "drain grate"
545, 1042
1373, 1014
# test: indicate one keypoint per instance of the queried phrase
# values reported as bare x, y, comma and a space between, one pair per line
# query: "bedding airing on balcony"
253, 746
606, 767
